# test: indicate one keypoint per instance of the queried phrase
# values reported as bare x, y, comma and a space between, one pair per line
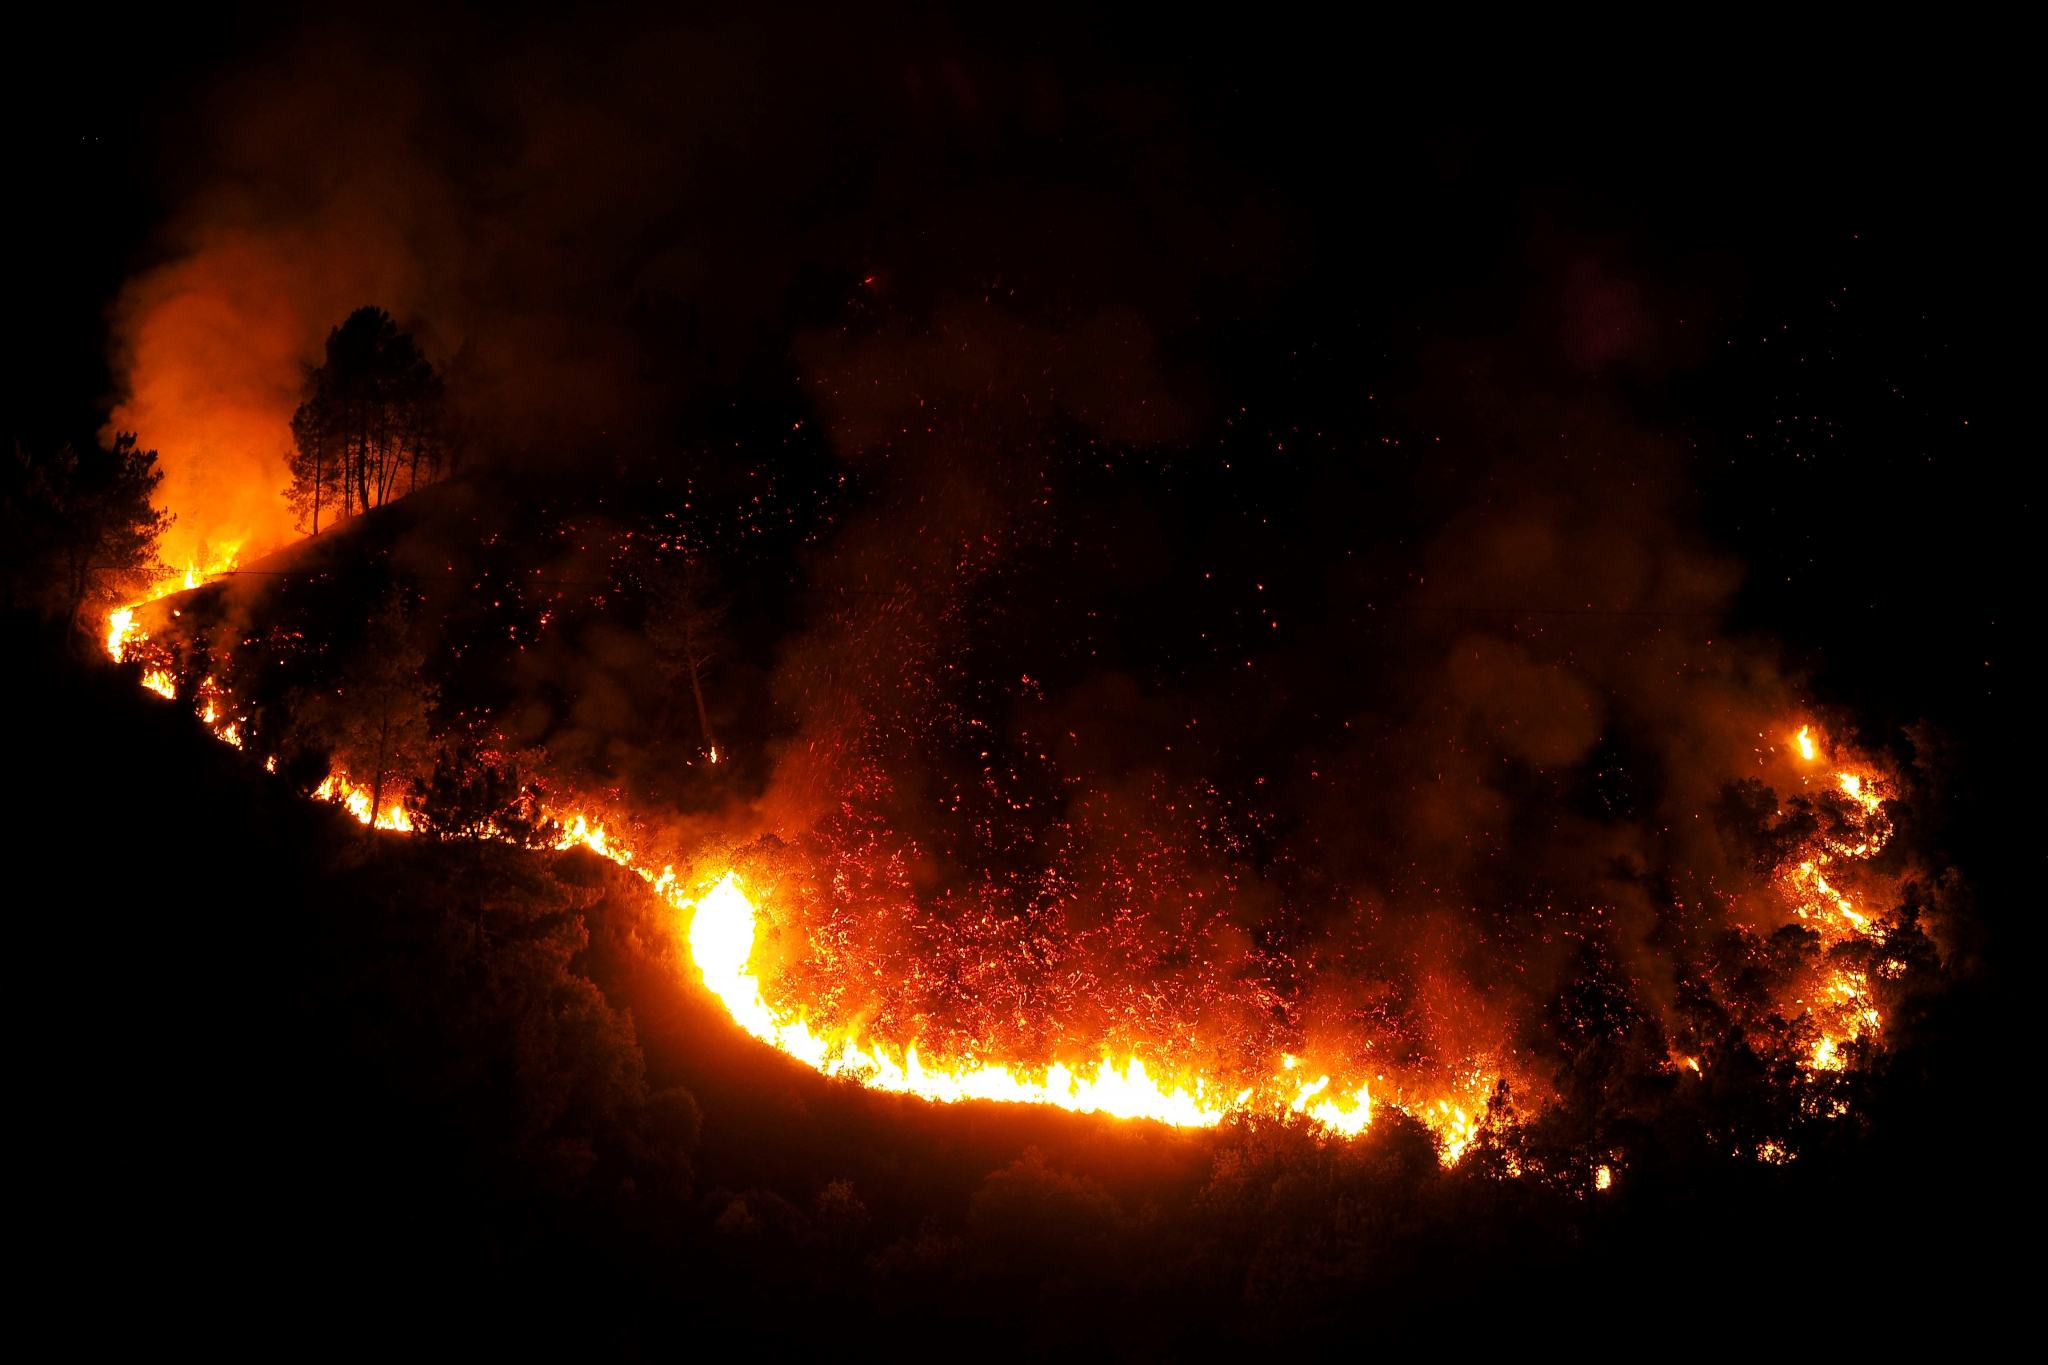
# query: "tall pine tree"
369, 426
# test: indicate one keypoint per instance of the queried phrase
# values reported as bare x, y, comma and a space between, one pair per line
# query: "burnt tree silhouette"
370, 425
684, 617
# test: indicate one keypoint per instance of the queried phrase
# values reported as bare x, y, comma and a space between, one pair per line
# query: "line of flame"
721, 934
722, 924
337, 788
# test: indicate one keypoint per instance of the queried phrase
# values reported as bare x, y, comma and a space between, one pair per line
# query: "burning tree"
369, 428
78, 536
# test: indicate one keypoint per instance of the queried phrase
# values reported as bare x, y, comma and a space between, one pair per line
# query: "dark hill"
275, 1073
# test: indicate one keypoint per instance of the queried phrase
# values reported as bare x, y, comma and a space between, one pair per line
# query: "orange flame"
338, 789
721, 933
121, 628
1846, 1012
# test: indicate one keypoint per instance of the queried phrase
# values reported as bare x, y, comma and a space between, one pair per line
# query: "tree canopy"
78, 536
369, 427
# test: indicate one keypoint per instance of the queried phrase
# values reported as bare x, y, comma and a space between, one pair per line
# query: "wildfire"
338, 789
722, 926
1846, 1011
722, 920
121, 627
721, 938
201, 571
1457, 1128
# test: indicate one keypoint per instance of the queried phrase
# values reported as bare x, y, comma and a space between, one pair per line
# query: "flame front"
722, 919
721, 938
356, 799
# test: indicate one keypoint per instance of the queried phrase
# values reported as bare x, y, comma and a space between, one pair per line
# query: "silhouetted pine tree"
369, 428
78, 536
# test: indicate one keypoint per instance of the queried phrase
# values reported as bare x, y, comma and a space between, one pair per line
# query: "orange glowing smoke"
209, 362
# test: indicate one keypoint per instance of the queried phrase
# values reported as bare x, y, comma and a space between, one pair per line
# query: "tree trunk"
80, 575
363, 471
697, 690
377, 782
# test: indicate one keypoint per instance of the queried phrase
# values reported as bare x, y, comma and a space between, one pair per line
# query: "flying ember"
722, 915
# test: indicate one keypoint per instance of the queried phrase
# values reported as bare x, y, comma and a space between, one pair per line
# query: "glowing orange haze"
210, 350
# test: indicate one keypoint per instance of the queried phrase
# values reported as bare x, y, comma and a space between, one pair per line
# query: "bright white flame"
121, 628
721, 940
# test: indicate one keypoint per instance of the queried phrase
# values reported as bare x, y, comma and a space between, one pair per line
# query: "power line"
928, 592
1549, 611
